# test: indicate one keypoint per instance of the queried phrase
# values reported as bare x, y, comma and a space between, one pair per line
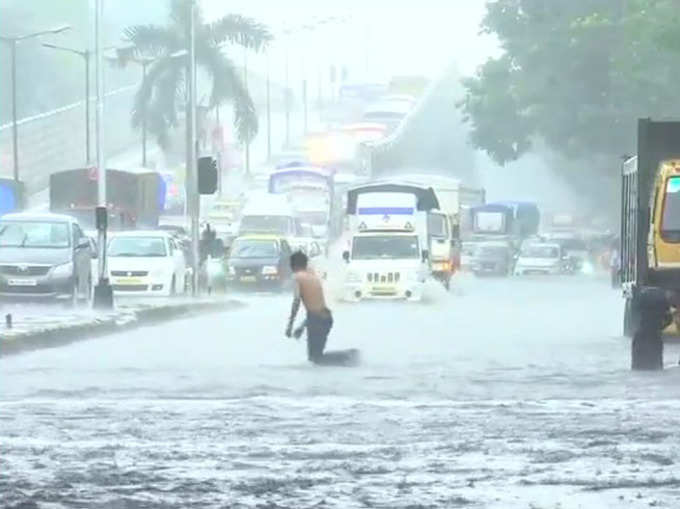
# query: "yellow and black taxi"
259, 261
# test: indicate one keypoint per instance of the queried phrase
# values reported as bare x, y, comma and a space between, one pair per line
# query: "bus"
135, 197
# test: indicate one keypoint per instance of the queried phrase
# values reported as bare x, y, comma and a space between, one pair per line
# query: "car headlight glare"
269, 270
65, 269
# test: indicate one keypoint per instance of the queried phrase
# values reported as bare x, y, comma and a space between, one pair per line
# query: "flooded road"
502, 394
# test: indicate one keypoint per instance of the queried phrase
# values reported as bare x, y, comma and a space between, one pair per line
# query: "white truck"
444, 223
387, 256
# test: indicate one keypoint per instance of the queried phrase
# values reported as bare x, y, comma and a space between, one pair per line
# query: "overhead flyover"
430, 138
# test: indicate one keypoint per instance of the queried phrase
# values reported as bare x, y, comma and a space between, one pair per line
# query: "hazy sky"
416, 37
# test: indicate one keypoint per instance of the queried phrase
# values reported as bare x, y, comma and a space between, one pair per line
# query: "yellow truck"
650, 239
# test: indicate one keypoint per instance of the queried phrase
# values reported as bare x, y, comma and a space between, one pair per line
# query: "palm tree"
163, 88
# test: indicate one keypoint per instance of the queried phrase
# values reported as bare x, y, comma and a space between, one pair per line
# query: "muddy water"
503, 394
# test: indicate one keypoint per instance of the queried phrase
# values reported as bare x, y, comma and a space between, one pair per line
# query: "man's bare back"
310, 290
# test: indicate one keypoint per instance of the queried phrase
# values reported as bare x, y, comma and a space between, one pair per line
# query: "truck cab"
650, 240
663, 241
387, 264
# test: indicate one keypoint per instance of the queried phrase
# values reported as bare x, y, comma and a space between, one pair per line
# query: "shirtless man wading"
309, 289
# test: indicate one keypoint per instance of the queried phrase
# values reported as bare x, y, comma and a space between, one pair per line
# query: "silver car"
44, 256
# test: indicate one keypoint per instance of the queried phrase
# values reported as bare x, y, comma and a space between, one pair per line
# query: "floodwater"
504, 393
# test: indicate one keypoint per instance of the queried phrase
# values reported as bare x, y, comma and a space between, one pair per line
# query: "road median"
37, 332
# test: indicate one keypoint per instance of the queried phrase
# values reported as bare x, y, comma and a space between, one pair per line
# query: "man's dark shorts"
318, 327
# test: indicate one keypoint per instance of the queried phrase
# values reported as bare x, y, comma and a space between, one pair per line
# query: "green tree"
162, 92
575, 74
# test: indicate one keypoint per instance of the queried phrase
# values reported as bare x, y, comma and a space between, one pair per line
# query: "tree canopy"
162, 91
574, 73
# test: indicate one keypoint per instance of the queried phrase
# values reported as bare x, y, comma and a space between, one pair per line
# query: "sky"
384, 37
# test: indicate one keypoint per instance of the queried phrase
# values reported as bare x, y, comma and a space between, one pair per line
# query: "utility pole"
269, 114
12, 42
287, 98
245, 83
103, 292
144, 63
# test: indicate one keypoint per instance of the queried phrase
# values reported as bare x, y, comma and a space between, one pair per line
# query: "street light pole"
12, 42
245, 83
194, 200
103, 292
15, 127
145, 63
87, 55
269, 114
287, 100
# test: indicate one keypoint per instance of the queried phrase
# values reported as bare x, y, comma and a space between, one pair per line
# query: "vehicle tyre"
173, 287
647, 350
447, 283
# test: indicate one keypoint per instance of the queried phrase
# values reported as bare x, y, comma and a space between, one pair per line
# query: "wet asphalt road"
503, 394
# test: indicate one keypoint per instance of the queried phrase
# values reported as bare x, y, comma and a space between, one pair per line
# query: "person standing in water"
309, 290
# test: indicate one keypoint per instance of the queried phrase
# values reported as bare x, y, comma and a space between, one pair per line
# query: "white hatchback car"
146, 263
539, 258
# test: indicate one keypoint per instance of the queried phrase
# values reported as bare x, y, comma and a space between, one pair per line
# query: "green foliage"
162, 92
576, 74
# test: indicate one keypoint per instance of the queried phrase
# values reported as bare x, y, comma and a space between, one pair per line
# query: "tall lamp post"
103, 291
12, 43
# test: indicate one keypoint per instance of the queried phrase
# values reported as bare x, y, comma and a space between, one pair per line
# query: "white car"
146, 263
539, 258
385, 266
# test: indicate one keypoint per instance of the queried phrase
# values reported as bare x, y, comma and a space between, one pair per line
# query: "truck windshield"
670, 221
137, 247
385, 247
282, 225
247, 248
436, 225
34, 234
540, 252
489, 222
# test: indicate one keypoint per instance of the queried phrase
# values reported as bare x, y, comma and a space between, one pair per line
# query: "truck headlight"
353, 277
269, 270
63, 270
